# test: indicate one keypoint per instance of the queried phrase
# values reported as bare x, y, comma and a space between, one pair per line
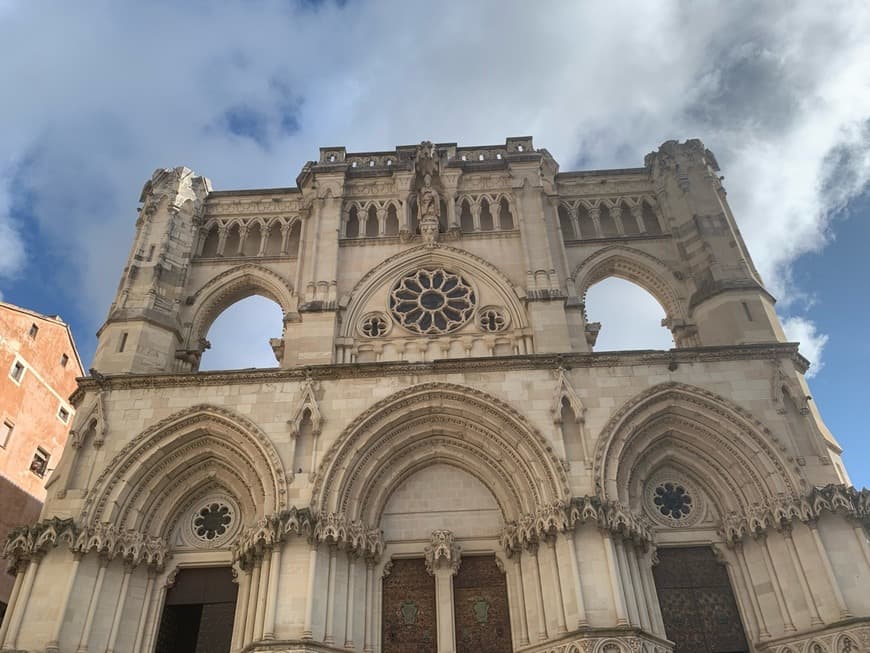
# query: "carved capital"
442, 552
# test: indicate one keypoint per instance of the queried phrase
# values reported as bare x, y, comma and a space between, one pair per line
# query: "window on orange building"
39, 464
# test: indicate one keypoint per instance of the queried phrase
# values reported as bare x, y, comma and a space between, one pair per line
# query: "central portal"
480, 607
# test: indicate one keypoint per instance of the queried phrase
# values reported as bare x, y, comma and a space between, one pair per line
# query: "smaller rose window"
374, 325
672, 500
432, 301
492, 320
212, 521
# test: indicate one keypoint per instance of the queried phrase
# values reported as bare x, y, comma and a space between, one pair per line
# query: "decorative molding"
447, 366
307, 401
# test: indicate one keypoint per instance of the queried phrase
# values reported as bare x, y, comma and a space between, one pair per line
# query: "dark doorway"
409, 608
198, 612
480, 607
697, 602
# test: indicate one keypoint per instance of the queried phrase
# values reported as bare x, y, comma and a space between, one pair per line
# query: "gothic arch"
220, 292
176, 458
476, 268
715, 439
636, 266
438, 423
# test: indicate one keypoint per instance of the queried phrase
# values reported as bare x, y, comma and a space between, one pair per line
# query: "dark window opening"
33, 331
64, 359
39, 464
123, 342
17, 371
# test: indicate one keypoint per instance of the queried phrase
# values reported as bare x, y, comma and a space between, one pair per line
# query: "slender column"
444, 600
815, 619
262, 598
750, 589
615, 584
222, 240
307, 631
543, 634
832, 578
272, 596
264, 237
557, 586
241, 611
628, 592
521, 600
774, 581
861, 534
475, 215
595, 214
646, 580
119, 608
575, 223
17, 615
143, 614
154, 621
92, 607
349, 602
637, 214
243, 237
369, 607
637, 587
53, 645
582, 621
285, 233
253, 595
13, 601
329, 637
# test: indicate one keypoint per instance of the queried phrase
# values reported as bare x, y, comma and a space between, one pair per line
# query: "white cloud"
777, 90
812, 343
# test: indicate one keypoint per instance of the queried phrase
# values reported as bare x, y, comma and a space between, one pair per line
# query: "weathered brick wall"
409, 609
480, 606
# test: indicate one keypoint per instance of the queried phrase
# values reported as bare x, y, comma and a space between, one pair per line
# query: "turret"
729, 303
143, 330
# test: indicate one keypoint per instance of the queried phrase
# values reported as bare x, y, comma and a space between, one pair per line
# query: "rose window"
212, 521
432, 301
374, 325
492, 320
672, 500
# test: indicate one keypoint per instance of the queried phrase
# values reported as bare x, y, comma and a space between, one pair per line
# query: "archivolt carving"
722, 443
437, 422
201, 436
457, 260
228, 287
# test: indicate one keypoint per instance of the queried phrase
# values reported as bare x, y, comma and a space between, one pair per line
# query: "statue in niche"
428, 198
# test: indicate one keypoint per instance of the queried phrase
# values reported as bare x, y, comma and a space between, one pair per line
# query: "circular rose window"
432, 301
212, 521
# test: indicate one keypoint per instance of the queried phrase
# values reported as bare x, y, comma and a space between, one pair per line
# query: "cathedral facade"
441, 462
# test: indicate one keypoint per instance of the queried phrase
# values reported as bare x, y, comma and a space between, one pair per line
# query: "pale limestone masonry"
437, 397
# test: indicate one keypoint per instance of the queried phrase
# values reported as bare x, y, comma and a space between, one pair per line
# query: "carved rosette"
442, 552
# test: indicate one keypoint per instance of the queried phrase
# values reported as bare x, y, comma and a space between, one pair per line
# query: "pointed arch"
176, 458
421, 255
229, 287
720, 442
438, 423
636, 266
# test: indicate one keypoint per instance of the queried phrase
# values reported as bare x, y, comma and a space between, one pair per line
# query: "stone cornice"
771, 351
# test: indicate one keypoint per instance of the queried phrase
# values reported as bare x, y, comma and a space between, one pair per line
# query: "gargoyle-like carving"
442, 552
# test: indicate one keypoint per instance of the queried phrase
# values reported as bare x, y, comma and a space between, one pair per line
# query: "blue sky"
99, 94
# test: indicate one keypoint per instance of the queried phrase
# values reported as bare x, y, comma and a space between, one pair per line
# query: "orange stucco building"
39, 365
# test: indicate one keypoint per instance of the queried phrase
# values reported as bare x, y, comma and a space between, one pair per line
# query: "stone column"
262, 598
829, 571
815, 619
637, 214
625, 581
143, 614
649, 591
370, 589
750, 589
774, 581
615, 583
442, 561
307, 630
329, 636
637, 587
543, 633
582, 621
557, 588
53, 645
222, 240
861, 534
349, 603
92, 607
23, 599
253, 596
272, 596
595, 214
521, 599
119, 608
20, 570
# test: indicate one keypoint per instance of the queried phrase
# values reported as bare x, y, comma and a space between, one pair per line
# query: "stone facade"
437, 399
39, 367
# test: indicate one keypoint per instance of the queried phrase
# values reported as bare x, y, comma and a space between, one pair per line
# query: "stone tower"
440, 460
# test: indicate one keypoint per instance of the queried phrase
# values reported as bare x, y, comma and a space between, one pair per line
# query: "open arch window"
240, 336
627, 317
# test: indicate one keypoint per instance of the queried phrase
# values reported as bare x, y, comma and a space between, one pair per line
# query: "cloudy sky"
98, 94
